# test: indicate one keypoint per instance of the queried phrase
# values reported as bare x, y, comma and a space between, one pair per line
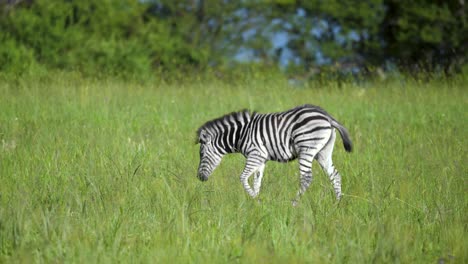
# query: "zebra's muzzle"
202, 177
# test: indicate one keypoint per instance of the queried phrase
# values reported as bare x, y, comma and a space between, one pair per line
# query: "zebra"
305, 132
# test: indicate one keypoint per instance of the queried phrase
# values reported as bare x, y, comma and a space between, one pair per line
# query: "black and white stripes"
305, 132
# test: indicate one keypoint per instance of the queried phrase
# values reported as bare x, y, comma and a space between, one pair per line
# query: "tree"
93, 37
425, 34
143, 36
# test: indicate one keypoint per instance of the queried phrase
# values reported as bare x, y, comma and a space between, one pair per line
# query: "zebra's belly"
291, 158
282, 153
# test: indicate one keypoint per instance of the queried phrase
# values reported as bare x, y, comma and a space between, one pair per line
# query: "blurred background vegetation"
301, 38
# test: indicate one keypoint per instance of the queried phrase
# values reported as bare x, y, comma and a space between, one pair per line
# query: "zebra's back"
281, 135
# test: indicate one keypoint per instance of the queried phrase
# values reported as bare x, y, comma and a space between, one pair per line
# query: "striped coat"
306, 133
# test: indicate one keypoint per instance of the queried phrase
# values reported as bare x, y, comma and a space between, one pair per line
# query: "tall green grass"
104, 171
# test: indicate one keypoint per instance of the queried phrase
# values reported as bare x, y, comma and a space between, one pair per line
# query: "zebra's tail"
348, 145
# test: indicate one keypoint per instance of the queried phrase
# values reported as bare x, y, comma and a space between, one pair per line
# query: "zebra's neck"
231, 131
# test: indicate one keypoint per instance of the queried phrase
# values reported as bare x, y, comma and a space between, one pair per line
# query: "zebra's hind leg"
305, 167
324, 157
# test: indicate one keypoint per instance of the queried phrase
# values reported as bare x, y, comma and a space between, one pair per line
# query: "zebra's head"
210, 156
218, 137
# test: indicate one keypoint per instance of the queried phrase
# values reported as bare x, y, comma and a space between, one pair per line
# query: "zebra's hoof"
294, 203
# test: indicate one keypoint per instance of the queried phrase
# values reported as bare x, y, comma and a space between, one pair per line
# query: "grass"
104, 171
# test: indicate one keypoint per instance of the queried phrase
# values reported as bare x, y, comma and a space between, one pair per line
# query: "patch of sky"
244, 54
279, 39
249, 34
320, 28
241, 13
276, 21
300, 12
316, 32
354, 36
285, 57
320, 59
278, 32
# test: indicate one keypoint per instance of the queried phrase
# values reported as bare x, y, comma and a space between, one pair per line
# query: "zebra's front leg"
258, 179
305, 168
253, 164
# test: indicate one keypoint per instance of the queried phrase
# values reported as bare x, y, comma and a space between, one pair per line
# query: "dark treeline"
305, 37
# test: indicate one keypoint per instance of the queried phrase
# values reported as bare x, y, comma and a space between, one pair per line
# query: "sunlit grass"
105, 171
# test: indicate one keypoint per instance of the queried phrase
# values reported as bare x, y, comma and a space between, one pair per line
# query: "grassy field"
105, 171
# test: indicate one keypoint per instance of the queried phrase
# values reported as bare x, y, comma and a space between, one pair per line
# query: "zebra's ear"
198, 139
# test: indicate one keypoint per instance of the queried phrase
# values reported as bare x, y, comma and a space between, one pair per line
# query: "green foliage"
361, 17
14, 56
429, 37
106, 37
131, 38
105, 171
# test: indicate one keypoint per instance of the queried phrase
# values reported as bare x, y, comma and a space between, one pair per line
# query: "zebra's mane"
212, 123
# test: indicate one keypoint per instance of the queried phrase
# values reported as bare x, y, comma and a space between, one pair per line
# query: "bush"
112, 37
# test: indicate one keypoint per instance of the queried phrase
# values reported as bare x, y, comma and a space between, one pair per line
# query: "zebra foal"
306, 133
